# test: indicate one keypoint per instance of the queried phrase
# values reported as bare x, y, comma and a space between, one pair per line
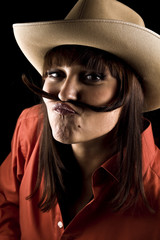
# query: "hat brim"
138, 46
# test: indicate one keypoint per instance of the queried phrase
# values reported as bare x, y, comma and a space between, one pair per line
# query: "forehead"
76, 68
88, 58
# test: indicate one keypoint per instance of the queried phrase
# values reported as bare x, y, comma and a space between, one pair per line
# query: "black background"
14, 95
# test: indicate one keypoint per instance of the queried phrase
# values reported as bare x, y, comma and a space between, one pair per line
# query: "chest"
94, 222
70, 206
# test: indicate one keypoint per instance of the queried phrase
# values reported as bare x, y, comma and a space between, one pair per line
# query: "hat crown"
104, 9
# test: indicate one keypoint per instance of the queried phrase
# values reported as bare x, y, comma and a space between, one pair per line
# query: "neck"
90, 155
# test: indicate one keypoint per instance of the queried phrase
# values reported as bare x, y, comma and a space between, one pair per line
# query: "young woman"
83, 163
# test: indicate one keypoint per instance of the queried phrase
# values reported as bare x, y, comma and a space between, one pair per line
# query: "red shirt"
21, 218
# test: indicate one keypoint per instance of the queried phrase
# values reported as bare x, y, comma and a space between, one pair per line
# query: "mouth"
64, 109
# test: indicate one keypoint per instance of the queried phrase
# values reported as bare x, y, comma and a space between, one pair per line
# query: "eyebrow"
84, 68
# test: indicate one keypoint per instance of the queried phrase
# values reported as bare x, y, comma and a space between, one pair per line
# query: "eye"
92, 78
56, 74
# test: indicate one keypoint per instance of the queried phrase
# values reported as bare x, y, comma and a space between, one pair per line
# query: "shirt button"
60, 224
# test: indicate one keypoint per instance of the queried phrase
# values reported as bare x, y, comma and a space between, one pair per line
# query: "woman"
84, 164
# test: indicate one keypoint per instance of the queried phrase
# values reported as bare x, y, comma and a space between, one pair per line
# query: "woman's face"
72, 123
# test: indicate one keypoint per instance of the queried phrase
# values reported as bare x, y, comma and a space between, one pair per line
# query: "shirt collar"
148, 152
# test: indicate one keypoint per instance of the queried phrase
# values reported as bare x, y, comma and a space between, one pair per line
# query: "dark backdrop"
14, 95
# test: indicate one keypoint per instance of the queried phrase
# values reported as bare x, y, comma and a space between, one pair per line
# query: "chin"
63, 138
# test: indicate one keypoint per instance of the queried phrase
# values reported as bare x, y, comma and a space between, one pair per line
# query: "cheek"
46, 86
99, 96
49, 87
100, 124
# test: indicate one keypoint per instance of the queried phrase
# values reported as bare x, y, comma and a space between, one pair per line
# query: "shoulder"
150, 152
155, 165
28, 130
31, 113
151, 168
25, 140
30, 122
31, 119
152, 181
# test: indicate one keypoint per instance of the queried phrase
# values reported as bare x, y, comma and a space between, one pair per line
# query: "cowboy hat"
106, 24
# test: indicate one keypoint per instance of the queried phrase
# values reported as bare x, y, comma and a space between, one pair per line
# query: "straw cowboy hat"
105, 24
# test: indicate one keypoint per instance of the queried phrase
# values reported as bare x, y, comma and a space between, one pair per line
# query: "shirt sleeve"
11, 172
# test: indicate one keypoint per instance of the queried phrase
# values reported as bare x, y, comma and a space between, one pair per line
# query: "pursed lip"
64, 109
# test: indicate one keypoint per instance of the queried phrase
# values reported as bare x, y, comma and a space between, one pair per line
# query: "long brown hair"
52, 164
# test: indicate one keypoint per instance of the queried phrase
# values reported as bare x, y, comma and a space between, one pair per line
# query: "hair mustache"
38, 91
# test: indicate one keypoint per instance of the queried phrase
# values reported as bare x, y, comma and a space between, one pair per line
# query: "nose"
69, 90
